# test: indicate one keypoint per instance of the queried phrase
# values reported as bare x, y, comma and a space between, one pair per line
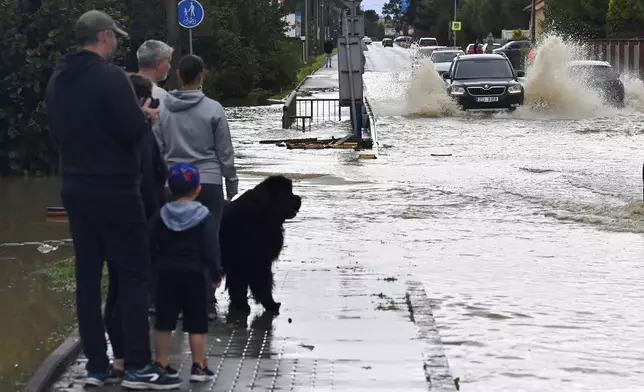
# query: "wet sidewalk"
340, 328
324, 78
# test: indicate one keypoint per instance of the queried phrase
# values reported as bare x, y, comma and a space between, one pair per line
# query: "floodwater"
526, 231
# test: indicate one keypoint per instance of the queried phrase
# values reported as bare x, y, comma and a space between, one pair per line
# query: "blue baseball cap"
183, 178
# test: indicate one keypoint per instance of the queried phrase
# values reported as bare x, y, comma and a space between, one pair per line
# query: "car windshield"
483, 69
427, 41
595, 72
443, 56
425, 52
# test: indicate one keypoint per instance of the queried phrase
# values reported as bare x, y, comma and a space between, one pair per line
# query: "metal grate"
495, 90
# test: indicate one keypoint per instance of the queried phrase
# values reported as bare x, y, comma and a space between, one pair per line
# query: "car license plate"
487, 99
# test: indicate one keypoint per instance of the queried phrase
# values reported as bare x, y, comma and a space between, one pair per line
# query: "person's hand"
153, 113
216, 284
232, 187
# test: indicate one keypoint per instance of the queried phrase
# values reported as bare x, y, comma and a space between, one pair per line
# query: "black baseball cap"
93, 22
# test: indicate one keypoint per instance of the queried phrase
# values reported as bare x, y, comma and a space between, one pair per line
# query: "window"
443, 56
428, 42
484, 68
594, 72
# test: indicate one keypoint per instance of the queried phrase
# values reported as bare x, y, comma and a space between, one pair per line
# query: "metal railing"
307, 110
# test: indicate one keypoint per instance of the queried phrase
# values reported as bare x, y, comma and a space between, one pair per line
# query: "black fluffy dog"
252, 237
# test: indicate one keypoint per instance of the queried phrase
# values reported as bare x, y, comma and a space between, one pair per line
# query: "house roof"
539, 4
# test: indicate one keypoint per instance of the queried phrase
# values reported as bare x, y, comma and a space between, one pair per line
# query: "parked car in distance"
403, 40
387, 42
427, 41
366, 40
442, 59
423, 53
513, 51
494, 46
484, 82
599, 75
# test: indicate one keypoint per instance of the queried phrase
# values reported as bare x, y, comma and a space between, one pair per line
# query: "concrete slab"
339, 329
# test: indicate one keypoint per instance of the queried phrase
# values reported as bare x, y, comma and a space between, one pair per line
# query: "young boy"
181, 235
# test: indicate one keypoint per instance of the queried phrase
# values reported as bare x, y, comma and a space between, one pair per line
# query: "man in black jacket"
99, 127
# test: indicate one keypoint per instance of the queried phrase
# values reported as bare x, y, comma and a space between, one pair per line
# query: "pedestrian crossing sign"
456, 26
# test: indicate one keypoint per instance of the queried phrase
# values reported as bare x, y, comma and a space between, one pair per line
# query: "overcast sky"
373, 5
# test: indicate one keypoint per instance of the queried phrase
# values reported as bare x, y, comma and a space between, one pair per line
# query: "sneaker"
201, 373
98, 379
171, 372
150, 377
115, 376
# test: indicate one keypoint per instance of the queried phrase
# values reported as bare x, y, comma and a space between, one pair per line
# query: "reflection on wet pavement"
340, 328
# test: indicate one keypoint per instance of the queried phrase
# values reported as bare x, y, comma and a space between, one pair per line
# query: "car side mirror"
520, 74
446, 76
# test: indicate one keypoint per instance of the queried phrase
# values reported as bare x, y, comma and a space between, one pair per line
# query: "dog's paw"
273, 307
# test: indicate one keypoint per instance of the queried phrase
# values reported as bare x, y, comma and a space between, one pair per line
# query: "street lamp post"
533, 27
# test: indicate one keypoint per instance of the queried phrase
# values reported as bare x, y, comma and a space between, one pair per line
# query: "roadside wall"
625, 55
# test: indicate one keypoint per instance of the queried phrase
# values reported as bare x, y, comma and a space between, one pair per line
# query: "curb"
435, 364
57, 362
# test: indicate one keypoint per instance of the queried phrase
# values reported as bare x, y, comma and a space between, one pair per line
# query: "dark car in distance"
512, 51
387, 42
484, 82
601, 76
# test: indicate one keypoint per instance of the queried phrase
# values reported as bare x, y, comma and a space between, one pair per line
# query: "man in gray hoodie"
193, 129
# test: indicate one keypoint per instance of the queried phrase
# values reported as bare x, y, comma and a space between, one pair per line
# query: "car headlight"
514, 89
458, 91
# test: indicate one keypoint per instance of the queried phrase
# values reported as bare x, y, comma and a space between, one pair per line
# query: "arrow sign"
191, 13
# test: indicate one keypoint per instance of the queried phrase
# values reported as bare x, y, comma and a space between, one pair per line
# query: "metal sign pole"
191, 14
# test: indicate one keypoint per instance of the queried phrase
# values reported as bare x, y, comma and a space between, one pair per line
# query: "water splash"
633, 91
426, 94
550, 88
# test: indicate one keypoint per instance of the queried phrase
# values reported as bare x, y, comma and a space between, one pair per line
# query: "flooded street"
528, 237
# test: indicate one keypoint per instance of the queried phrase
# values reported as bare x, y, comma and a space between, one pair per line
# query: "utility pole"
533, 27
454, 32
307, 27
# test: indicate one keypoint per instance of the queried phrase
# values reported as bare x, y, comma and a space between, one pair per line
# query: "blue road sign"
191, 13
404, 5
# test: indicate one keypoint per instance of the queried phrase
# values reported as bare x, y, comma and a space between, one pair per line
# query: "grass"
62, 276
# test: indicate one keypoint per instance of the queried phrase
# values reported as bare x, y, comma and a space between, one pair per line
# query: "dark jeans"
212, 196
110, 225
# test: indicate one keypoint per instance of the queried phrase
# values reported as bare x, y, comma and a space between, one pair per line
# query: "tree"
577, 19
517, 35
625, 17
371, 20
392, 12
480, 17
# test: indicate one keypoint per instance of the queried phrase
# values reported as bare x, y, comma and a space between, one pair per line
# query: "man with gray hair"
154, 63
